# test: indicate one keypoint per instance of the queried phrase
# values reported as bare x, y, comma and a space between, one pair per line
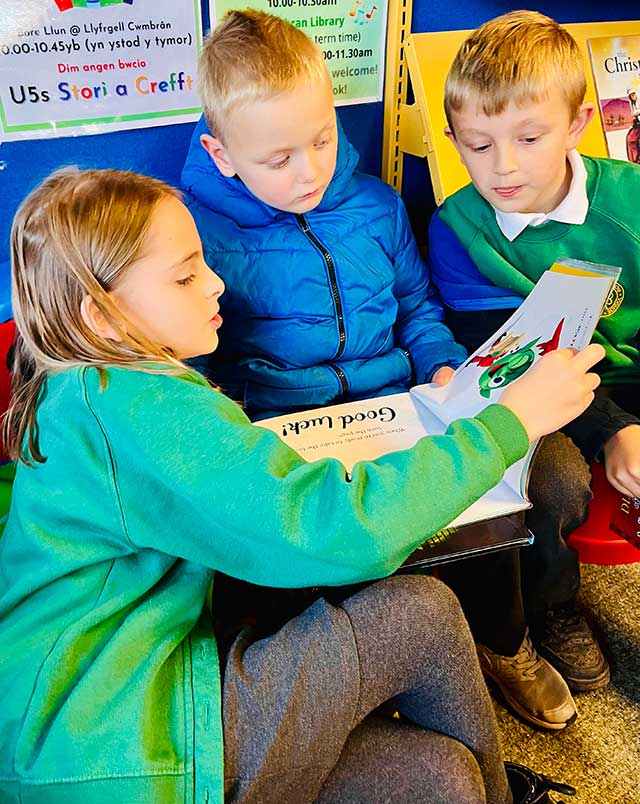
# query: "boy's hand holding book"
622, 460
443, 375
555, 390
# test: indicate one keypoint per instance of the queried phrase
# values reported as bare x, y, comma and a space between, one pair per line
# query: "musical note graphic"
360, 17
352, 13
370, 14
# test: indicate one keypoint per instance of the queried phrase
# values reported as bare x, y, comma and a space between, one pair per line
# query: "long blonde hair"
74, 236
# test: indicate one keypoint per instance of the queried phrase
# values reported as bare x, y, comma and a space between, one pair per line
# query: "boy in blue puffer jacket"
327, 296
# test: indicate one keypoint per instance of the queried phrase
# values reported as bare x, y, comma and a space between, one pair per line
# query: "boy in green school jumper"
515, 111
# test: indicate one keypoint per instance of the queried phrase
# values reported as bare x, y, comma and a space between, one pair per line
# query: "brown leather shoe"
536, 691
568, 644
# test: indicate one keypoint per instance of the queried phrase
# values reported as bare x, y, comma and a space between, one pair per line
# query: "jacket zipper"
407, 354
341, 376
333, 284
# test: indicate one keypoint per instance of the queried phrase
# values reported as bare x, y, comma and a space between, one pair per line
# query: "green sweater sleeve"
196, 480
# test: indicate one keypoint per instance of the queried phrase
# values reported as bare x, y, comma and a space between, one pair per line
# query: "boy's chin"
514, 204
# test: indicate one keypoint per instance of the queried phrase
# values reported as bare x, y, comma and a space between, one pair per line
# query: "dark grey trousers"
297, 706
504, 593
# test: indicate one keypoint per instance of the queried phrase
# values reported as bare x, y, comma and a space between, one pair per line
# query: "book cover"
625, 519
615, 62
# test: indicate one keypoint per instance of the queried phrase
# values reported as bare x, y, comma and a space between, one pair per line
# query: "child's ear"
448, 132
218, 153
579, 124
94, 318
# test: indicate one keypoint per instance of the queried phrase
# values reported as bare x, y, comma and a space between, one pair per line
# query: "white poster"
90, 66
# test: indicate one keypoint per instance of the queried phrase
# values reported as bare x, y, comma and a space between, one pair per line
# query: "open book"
562, 310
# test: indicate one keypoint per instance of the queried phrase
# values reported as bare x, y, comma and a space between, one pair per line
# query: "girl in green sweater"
137, 480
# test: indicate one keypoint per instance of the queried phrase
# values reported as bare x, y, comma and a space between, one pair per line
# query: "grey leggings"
297, 706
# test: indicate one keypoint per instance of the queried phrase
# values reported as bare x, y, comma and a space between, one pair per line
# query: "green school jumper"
109, 676
610, 235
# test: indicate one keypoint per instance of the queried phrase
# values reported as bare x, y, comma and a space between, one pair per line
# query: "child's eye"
321, 144
187, 280
280, 164
530, 140
479, 149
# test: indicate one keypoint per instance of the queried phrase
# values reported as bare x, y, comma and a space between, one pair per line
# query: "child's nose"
505, 160
214, 285
308, 168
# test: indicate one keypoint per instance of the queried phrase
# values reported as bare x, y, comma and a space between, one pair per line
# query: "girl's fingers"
588, 357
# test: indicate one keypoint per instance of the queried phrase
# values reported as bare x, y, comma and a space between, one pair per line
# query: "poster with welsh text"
350, 33
90, 66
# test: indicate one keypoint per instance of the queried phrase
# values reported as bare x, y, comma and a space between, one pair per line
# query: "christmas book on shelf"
615, 62
562, 310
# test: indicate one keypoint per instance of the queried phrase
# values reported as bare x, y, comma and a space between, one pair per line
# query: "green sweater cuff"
507, 430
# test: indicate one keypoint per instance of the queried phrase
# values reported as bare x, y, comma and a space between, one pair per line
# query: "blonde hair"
74, 236
515, 58
252, 56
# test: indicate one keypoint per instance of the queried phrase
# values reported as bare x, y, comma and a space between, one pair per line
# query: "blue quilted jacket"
328, 306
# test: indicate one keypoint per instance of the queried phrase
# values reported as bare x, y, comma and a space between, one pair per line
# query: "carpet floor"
600, 753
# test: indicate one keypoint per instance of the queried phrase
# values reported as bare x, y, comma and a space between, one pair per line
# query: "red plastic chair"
595, 542
7, 470
7, 335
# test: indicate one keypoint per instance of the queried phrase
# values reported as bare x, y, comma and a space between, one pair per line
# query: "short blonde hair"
252, 56
515, 58
75, 235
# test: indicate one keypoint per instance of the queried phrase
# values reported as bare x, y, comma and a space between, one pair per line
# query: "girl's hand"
443, 375
622, 460
556, 390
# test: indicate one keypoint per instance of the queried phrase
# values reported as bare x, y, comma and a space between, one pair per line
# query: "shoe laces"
526, 662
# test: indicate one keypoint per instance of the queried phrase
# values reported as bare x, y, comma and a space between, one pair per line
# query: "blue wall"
160, 151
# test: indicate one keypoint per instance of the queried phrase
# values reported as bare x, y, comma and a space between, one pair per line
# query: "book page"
501, 499
366, 430
562, 310
615, 62
355, 431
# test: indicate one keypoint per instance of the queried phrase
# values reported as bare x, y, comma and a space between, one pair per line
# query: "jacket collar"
230, 196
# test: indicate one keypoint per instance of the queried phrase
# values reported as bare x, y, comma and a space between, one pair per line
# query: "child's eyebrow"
180, 263
474, 131
530, 121
285, 149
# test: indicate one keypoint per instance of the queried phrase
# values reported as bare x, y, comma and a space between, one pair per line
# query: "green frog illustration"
503, 366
